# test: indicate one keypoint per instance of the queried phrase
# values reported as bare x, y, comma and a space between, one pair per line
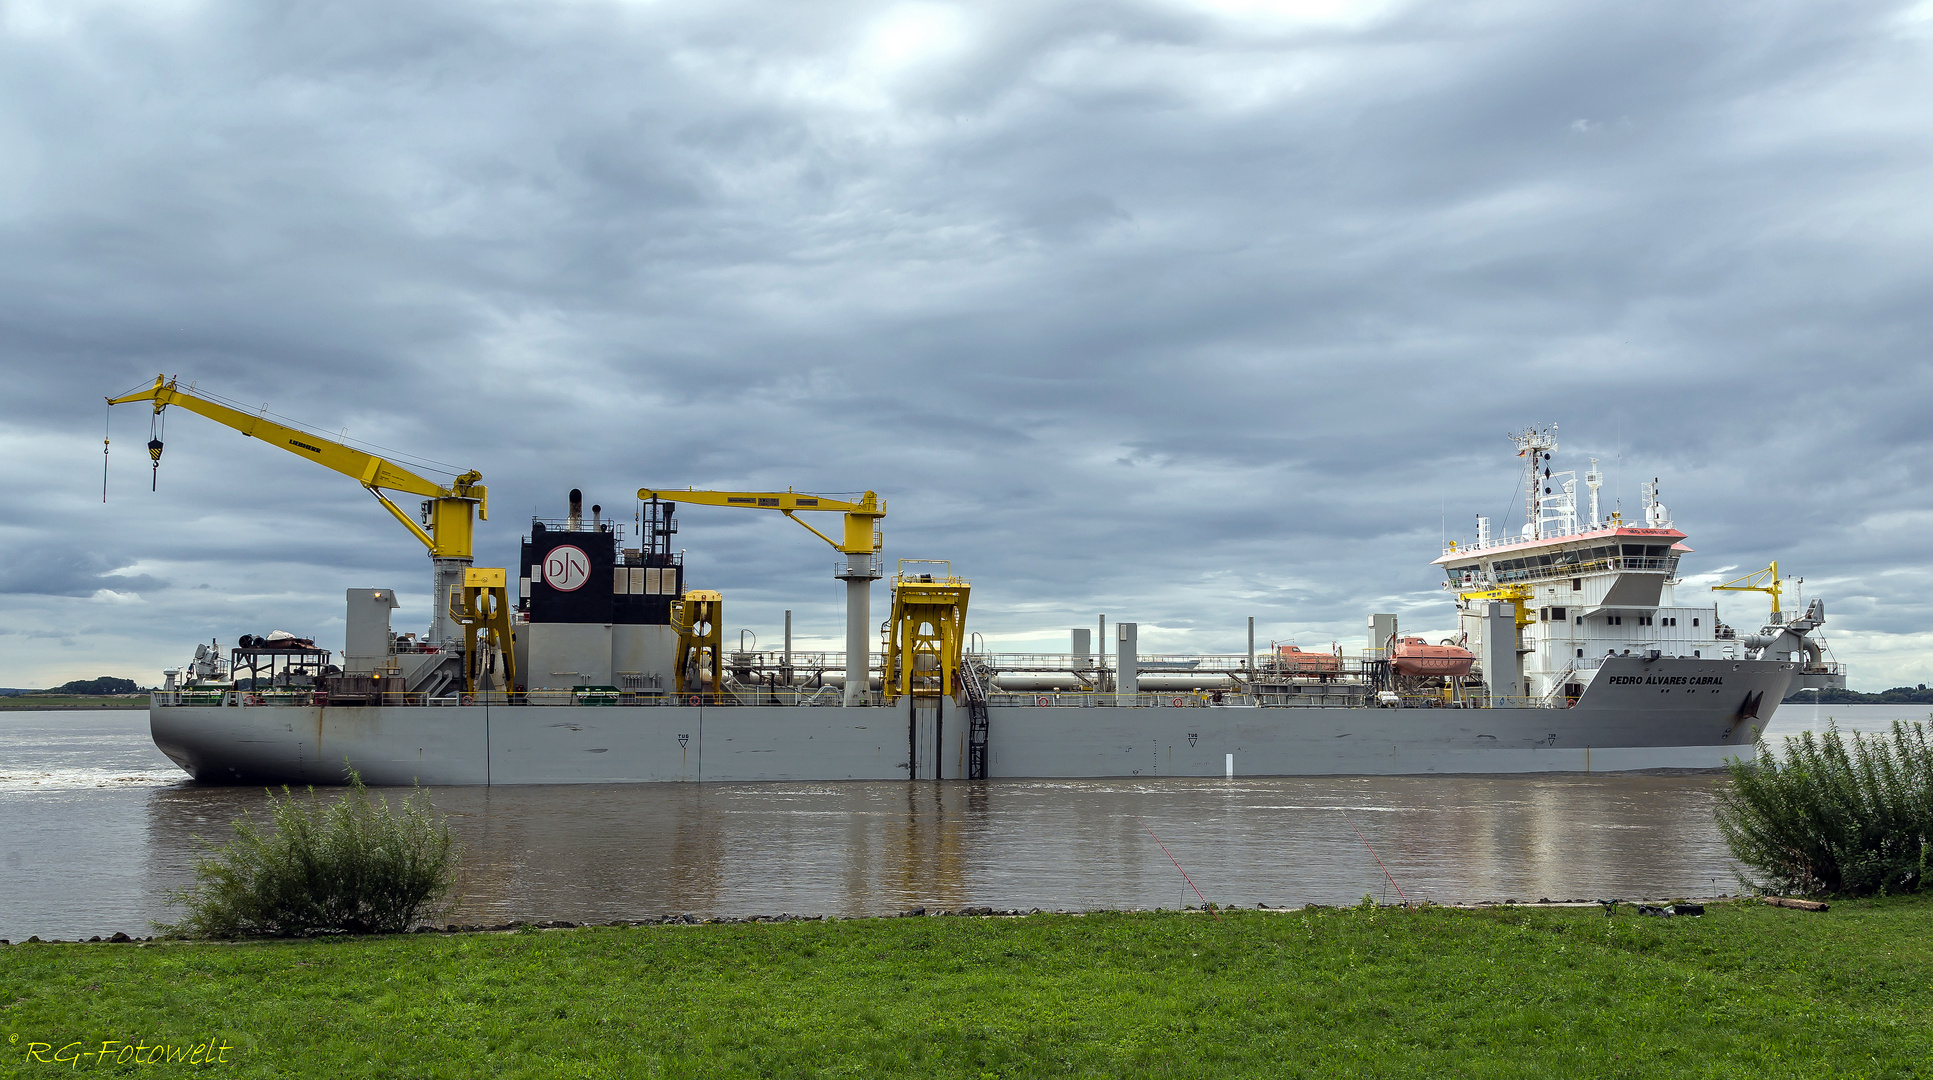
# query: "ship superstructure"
1580, 586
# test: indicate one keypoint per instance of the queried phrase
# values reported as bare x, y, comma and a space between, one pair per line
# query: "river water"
96, 826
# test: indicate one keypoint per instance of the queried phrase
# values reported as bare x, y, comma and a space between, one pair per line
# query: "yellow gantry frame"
453, 506
698, 618
482, 609
926, 634
1765, 581
862, 517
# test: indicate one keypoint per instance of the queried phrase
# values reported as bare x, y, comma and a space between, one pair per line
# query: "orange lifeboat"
1414, 656
1291, 659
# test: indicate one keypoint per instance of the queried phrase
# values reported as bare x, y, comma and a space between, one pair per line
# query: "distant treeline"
106, 684
1898, 695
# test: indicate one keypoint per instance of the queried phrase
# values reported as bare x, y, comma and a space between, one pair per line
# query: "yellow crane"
1517, 595
860, 544
1765, 581
450, 510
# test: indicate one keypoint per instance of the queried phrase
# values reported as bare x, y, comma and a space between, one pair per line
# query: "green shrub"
1833, 816
350, 866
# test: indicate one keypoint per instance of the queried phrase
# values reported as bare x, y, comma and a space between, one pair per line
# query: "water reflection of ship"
597, 854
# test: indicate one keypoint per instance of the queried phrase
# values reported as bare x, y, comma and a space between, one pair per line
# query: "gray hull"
1665, 714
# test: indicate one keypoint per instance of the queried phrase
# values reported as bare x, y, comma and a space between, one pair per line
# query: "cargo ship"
594, 661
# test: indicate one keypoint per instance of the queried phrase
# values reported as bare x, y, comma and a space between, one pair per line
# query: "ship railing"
1556, 571
1507, 701
581, 525
1311, 664
1507, 539
1423, 701
1078, 699
1092, 699
205, 697
803, 697
421, 647
1666, 564
593, 697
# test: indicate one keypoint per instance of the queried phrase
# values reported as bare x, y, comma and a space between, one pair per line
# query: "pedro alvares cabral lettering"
116, 1052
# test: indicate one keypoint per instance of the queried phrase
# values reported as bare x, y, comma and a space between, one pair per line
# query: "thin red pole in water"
1379, 862
1177, 862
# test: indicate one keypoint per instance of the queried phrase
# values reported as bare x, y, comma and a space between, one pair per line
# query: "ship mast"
1594, 480
1534, 446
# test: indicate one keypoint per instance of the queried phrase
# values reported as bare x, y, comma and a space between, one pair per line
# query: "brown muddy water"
96, 826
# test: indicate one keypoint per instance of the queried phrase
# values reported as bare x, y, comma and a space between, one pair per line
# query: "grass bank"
73, 701
1747, 990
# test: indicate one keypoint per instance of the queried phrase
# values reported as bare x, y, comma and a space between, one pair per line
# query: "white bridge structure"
1542, 608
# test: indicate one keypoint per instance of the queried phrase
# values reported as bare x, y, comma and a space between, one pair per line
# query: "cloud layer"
1181, 312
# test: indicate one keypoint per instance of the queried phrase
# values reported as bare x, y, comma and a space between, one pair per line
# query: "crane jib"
765, 500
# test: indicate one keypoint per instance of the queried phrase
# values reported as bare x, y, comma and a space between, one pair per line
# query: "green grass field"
1748, 991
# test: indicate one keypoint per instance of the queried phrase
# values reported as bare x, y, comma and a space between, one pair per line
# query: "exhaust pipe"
577, 509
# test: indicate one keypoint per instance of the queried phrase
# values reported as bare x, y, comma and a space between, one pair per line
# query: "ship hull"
1635, 715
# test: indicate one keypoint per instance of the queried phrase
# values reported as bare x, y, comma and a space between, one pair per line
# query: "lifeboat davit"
1291, 659
1414, 656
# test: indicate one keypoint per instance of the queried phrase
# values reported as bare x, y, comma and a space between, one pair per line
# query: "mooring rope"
1184, 873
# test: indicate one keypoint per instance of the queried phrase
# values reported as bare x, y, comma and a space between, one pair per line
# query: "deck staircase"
976, 703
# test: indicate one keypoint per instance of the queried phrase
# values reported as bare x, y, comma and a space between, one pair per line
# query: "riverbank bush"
1747, 991
1833, 816
352, 865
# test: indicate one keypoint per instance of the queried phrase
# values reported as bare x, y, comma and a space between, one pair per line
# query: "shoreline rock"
971, 911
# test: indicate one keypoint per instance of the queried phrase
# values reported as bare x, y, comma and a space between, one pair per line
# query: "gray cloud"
69, 573
1134, 307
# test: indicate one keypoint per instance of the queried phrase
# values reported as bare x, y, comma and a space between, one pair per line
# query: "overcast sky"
1181, 312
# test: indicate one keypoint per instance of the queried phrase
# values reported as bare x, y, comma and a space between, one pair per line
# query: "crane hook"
156, 425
